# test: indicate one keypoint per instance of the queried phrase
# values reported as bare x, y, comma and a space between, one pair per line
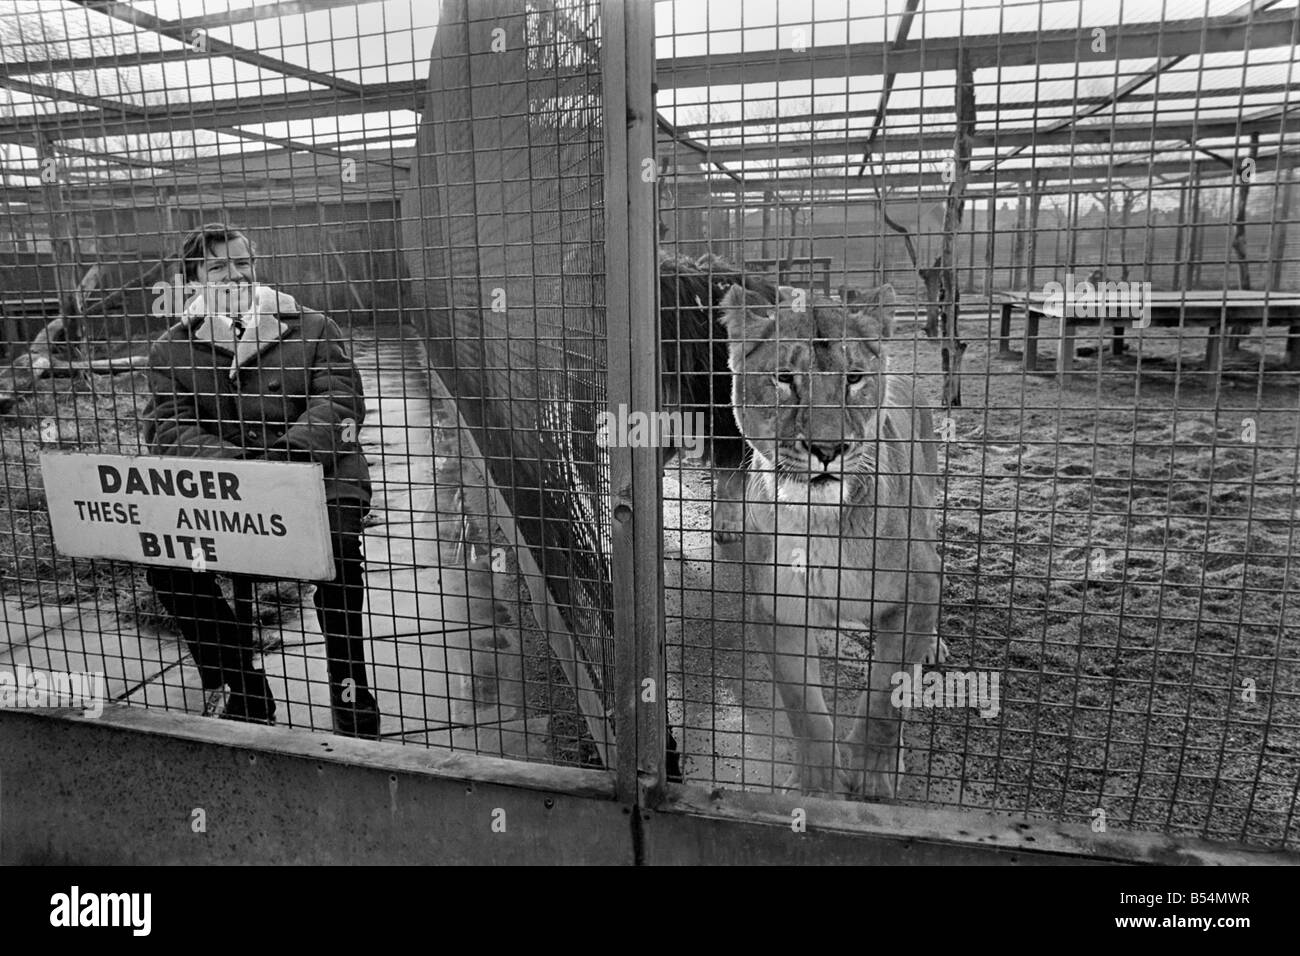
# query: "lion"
840, 529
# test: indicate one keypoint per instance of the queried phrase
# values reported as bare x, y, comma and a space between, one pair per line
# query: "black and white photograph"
651, 433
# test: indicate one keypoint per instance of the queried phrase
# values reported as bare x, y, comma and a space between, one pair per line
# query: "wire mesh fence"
371, 202
1115, 521
983, 317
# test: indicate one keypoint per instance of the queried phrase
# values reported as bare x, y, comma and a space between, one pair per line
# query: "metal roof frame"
1252, 27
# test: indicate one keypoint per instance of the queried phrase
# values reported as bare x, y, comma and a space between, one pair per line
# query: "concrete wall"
125, 788
131, 786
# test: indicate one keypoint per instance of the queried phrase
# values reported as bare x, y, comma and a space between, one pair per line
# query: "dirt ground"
97, 413
1120, 552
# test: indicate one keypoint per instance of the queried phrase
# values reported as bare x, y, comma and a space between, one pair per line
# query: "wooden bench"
1213, 310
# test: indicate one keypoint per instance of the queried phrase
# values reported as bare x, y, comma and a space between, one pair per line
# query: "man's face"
227, 270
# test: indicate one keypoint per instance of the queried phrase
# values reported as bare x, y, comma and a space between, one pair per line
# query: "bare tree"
1128, 203
942, 291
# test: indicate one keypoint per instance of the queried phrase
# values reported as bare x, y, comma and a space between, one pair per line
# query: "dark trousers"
222, 646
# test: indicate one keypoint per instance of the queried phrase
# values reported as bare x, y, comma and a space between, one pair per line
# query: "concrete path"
721, 702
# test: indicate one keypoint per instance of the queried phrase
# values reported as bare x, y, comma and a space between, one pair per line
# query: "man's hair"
200, 242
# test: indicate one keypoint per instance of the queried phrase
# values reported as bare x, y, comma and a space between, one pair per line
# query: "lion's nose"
827, 452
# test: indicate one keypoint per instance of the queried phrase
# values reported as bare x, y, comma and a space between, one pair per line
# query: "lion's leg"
728, 504
874, 745
796, 673
874, 748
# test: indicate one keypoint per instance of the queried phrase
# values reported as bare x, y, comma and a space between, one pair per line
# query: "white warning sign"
248, 517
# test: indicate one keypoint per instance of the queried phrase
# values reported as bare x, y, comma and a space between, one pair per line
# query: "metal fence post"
633, 327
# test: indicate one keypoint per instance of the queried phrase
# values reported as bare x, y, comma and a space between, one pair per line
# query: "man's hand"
281, 451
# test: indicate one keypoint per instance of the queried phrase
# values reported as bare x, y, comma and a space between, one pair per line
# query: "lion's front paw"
792, 783
870, 773
939, 656
812, 781
728, 522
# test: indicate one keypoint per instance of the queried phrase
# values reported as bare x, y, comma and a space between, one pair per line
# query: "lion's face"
808, 386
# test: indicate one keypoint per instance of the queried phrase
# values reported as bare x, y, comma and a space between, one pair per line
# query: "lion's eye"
853, 378
784, 378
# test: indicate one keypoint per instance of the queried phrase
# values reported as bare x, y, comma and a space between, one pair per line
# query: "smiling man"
249, 374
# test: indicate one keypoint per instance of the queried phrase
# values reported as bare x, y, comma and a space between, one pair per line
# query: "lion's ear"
882, 299
745, 314
879, 304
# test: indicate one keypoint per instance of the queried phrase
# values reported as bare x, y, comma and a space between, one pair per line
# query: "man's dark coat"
294, 396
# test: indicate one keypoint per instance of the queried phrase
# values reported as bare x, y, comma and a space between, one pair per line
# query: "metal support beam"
878, 122
1074, 174
793, 119
119, 119
185, 32
631, 294
1133, 41
828, 144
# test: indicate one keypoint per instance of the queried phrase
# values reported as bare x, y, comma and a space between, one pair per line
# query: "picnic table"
1214, 310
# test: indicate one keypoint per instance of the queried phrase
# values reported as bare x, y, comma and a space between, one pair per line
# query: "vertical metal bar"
640, 674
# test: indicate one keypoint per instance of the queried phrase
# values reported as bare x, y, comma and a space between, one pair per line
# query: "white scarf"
261, 326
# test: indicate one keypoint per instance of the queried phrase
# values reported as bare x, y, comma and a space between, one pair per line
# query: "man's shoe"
253, 702
355, 718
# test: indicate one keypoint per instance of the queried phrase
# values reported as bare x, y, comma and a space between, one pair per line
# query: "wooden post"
1149, 244
1239, 216
1278, 251
1126, 216
1072, 232
1195, 239
952, 349
1056, 257
970, 260
1180, 234
768, 199
166, 200
1031, 253
990, 244
67, 250
737, 246
1018, 242
1239, 238
1104, 264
